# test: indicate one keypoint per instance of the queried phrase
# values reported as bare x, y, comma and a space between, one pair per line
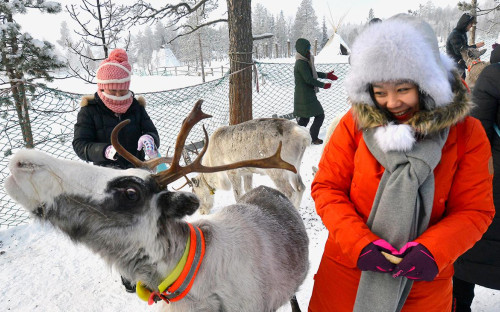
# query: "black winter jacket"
481, 264
94, 125
457, 41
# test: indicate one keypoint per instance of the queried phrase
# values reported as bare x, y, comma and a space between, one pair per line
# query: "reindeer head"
470, 55
80, 198
204, 192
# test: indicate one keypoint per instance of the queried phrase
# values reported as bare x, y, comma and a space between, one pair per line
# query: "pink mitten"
110, 152
147, 143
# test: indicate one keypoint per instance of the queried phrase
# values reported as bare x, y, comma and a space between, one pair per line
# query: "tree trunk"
201, 51
240, 54
473, 29
19, 93
21, 103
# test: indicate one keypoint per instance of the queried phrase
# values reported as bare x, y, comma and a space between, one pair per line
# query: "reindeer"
252, 139
250, 256
474, 65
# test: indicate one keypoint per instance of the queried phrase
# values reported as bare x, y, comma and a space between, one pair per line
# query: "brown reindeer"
474, 65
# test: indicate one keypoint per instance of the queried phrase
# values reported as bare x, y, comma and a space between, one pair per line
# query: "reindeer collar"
178, 283
472, 64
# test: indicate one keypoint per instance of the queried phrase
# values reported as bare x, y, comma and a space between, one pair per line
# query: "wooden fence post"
276, 46
289, 51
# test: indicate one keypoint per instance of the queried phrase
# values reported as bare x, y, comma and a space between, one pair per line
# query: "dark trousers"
316, 125
463, 294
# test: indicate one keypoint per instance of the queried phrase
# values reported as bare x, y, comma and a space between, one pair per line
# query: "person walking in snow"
457, 41
306, 104
404, 185
100, 113
481, 264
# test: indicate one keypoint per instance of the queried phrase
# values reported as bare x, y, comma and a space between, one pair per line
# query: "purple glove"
371, 259
417, 264
331, 76
110, 152
147, 143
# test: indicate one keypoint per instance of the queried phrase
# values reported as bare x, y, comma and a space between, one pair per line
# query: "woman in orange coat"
404, 184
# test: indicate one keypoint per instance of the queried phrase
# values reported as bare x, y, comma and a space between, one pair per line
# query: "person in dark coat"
457, 41
99, 114
481, 264
111, 104
306, 104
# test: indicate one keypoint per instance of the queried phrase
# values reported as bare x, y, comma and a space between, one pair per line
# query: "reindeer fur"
256, 250
253, 139
474, 65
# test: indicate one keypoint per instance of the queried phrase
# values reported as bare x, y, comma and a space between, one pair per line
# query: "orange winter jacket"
348, 177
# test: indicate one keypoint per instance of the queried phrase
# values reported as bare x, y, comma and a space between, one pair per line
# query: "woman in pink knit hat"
100, 113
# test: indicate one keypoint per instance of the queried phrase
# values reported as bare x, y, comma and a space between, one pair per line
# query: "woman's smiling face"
400, 99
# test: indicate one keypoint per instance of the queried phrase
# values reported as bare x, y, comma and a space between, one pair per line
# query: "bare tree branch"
193, 29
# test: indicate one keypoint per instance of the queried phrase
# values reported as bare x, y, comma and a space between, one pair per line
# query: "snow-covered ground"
42, 270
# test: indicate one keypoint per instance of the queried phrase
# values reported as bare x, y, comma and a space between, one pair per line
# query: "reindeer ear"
178, 204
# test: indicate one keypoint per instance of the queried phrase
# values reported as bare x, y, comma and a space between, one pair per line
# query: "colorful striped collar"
178, 283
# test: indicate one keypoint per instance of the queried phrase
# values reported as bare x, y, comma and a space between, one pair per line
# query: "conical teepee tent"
334, 51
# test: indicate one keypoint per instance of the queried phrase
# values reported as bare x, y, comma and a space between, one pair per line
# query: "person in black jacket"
457, 41
481, 264
112, 103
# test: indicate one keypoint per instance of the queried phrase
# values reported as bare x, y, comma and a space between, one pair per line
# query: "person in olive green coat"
306, 104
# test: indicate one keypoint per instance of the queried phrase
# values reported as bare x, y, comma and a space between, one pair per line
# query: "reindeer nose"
193, 199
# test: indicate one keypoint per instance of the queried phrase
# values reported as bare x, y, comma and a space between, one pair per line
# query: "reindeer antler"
150, 164
177, 171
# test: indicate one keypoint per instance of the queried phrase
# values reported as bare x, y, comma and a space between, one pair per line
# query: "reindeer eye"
131, 194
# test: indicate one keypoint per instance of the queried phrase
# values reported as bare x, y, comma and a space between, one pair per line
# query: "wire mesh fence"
53, 115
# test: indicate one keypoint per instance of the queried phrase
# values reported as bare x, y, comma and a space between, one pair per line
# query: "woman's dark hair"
425, 101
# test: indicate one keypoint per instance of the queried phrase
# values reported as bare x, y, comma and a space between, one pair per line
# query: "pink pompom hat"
114, 74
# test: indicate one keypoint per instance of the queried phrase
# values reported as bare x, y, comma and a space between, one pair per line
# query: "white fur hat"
402, 47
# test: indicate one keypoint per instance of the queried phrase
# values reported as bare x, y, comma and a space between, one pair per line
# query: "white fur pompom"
393, 137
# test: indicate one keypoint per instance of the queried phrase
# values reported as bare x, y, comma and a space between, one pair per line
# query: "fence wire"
53, 115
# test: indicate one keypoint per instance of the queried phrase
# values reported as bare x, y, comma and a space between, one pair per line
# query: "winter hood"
404, 48
400, 48
302, 46
464, 21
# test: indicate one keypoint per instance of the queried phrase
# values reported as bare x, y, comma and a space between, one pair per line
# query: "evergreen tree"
371, 15
306, 23
160, 35
281, 33
24, 59
65, 39
324, 34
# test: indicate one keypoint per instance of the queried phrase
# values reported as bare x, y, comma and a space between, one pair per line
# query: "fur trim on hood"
89, 97
400, 48
401, 137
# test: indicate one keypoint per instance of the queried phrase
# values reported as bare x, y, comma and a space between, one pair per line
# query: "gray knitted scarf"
310, 61
400, 213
